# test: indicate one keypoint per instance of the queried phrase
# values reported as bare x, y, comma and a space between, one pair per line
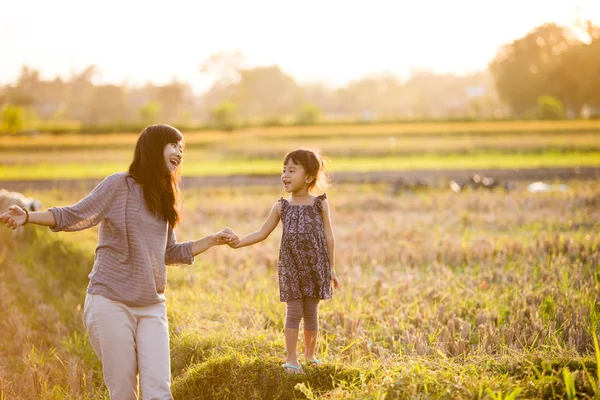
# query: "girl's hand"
224, 237
335, 281
233, 243
14, 217
232, 238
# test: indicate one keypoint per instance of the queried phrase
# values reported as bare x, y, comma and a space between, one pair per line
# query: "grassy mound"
237, 376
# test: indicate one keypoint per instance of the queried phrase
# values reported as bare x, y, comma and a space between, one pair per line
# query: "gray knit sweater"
133, 245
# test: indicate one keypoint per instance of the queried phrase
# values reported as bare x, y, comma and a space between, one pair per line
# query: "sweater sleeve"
90, 210
177, 253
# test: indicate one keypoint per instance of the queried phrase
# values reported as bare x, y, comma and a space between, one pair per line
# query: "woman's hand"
14, 217
226, 236
231, 237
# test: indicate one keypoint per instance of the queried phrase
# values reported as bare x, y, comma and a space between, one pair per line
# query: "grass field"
262, 166
508, 144
482, 295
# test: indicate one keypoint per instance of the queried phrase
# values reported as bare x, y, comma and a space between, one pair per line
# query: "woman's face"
173, 154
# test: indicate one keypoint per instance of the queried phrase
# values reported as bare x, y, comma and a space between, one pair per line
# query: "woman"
125, 313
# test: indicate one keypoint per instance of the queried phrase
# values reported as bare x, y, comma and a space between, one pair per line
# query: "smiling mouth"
175, 162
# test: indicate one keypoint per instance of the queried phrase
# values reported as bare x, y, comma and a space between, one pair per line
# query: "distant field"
39, 150
379, 147
318, 132
223, 166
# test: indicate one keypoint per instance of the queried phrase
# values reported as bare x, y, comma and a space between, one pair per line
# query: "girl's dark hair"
313, 164
160, 187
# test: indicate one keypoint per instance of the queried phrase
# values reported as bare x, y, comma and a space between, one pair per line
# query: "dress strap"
319, 201
284, 203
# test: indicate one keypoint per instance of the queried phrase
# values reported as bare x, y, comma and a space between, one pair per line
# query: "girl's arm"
216, 239
330, 239
264, 232
15, 217
184, 253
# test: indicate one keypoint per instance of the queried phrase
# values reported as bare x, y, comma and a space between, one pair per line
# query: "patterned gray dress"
303, 265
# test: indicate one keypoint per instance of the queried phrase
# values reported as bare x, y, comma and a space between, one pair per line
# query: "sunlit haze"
333, 41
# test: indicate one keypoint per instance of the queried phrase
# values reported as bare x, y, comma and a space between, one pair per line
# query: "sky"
331, 41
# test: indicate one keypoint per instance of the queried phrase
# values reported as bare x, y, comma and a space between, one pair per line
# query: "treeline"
549, 73
261, 95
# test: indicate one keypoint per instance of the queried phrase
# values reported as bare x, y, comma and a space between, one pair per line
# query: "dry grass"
443, 296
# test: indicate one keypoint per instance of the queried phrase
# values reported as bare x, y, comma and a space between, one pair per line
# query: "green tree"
224, 116
309, 114
523, 69
549, 107
150, 113
13, 118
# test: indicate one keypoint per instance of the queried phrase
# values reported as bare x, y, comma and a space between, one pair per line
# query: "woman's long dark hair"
159, 185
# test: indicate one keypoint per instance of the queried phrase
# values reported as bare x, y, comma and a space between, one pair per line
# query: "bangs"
294, 156
173, 135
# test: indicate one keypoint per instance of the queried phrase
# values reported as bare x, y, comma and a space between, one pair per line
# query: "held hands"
14, 217
229, 237
234, 242
226, 236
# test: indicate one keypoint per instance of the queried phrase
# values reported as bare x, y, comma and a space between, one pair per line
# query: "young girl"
306, 255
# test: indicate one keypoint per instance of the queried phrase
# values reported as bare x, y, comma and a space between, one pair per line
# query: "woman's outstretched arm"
16, 216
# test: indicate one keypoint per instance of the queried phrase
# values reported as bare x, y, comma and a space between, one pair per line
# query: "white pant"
128, 341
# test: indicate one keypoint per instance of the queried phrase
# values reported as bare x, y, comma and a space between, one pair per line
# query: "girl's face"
294, 177
173, 154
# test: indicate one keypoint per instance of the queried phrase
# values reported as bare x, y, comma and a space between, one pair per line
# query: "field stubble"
476, 295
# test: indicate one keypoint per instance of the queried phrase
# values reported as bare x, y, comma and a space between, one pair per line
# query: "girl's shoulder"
316, 199
281, 204
320, 200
